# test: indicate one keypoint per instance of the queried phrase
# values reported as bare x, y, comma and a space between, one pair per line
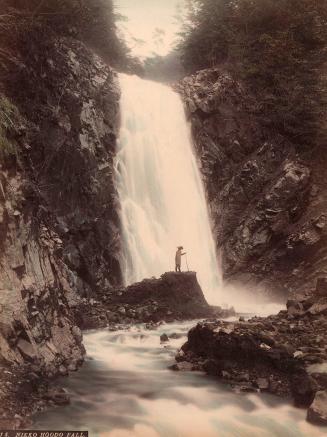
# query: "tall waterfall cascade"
160, 190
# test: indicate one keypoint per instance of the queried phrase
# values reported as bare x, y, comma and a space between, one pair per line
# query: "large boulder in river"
281, 354
173, 296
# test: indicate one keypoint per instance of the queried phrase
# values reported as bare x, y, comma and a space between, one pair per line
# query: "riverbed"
125, 389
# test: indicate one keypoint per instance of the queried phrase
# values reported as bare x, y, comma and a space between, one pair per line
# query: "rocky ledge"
284, 354
173, 296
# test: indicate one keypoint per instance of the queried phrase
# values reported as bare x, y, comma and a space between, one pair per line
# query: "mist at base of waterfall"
125, 390
250, 300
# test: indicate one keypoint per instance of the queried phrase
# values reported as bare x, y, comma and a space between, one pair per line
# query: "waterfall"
161, 194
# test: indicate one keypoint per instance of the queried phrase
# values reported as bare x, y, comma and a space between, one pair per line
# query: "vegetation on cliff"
91, 21
277, 46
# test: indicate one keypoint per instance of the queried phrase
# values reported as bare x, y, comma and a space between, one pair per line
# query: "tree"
92, 21
278, 47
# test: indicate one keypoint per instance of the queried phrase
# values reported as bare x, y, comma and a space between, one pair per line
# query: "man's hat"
180, 247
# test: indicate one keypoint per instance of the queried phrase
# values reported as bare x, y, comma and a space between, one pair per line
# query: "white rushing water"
125, 390
160, 189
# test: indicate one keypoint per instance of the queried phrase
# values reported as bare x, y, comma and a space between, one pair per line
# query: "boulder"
317, 413
319, 307
294, 307
58, 396
175, 336
173, 296
262, 383
180, 356
183, 366
270, 354
26, 349
164, 338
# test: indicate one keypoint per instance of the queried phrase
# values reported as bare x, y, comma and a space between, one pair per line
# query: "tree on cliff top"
277, 46
91, 21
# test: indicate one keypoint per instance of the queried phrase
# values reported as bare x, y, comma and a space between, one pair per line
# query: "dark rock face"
267, 203
174, 296
272, 354
59, 226
71, 101
58, 223
321, 288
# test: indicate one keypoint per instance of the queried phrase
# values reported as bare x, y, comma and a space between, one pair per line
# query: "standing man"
178, 258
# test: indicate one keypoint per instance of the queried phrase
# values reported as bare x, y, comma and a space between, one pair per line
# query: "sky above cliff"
151, 25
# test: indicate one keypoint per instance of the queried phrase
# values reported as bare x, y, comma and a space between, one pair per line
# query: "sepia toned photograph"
163, 218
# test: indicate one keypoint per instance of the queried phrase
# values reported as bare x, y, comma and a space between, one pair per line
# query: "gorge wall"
58, 223
267, 201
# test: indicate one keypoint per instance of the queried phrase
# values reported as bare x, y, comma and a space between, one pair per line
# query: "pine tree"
278, 47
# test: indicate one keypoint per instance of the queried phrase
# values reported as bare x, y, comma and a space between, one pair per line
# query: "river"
125, 389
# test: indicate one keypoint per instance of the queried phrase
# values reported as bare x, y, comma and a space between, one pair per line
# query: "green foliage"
92, 21
8, 119
277, 46
166, 68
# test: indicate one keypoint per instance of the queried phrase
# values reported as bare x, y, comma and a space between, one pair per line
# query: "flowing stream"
124, 389
160, 189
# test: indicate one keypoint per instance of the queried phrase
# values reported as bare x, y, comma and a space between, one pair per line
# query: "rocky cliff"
267, 199
58, 222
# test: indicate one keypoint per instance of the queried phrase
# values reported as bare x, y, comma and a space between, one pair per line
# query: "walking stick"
186, 262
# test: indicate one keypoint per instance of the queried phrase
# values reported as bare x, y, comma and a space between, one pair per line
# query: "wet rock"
262, 384
298, 354
58, 396
272, 354
211, 367
164, 338
72, 367
180, 356
182, 366
77, 333
175, 336
173, 296
242, 377
294, 307
317, 413
246, 388
321, 379
150, 326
